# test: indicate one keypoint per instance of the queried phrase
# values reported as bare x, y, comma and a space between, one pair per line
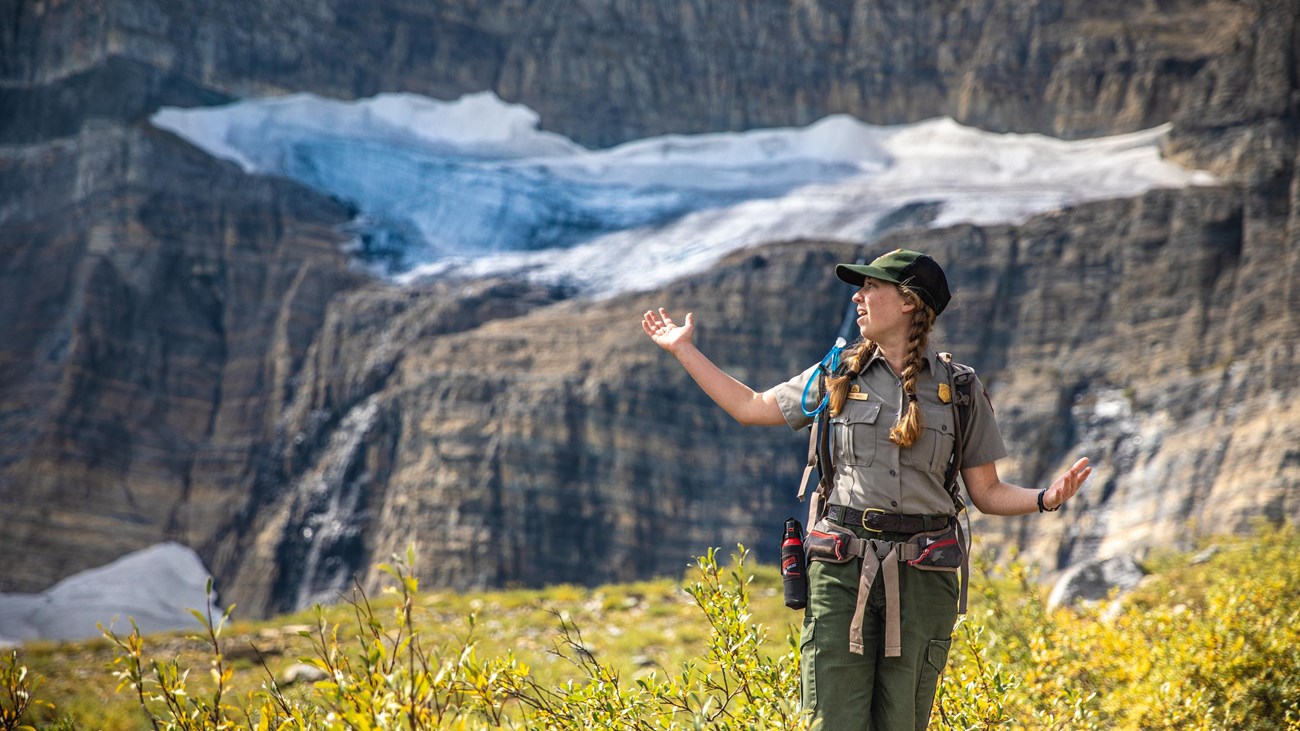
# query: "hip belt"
942, 549
878, 521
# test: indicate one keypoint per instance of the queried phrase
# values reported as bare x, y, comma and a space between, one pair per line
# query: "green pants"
871, 692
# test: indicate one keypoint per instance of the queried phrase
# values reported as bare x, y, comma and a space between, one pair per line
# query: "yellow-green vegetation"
1208, 642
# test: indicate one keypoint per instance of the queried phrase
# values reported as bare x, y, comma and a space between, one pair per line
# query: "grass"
1211, 641
635, 628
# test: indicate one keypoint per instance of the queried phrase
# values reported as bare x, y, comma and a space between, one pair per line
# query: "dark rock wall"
156, 303
605, 72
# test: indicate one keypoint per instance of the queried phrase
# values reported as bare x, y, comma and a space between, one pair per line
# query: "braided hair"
905, 432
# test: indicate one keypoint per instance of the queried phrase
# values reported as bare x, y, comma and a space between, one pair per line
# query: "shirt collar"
931, 359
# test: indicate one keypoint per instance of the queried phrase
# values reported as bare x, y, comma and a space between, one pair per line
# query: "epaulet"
957, 367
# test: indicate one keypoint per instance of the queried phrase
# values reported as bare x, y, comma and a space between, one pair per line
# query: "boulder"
1095, 580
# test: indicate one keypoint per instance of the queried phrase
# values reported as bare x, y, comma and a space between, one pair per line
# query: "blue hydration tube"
829, 364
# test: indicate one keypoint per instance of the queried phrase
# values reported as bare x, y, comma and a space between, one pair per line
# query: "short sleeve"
789, 396
983, 441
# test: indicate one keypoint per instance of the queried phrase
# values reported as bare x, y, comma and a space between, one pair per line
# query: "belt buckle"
867, 512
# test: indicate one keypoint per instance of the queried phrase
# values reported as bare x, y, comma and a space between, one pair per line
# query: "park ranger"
886, 553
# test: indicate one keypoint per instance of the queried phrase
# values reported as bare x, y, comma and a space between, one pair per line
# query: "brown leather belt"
878, 521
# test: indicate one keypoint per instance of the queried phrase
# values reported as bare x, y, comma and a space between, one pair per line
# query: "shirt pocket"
933, 448
855, 433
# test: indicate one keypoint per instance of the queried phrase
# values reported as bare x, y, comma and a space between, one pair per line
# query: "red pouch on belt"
830, 543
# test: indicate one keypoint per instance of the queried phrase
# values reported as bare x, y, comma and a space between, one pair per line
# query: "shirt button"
892, 473
944, 427
893, 503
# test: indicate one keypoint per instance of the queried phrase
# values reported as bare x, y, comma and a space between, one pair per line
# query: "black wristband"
1042, 508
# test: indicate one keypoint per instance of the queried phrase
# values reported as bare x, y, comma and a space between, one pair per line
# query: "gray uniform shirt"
873, 472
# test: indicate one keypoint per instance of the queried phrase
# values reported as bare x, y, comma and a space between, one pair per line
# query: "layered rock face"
609, 71
548, 444
1147, 335
185, 354
156, 303
559, 445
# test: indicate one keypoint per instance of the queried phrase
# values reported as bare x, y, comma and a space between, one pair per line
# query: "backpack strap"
961, 385
821, 458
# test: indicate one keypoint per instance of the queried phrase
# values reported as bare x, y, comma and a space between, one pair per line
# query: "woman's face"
882, 310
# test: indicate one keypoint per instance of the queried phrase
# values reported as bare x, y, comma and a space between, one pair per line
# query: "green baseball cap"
912, 269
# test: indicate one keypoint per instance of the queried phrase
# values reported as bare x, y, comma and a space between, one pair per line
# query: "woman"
873, 661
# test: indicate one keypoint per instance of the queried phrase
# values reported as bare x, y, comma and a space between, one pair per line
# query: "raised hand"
664, 332
1067, 484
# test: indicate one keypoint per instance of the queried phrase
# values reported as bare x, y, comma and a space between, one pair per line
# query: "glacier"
474, 187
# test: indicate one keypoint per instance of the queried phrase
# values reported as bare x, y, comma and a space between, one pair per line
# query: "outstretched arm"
993, 496
742, 402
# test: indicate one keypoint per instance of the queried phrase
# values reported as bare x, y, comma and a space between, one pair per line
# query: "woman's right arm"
740, 401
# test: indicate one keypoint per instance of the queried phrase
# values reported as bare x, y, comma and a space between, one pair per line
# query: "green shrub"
1202, 647
1206, 645
381, 675
16, 686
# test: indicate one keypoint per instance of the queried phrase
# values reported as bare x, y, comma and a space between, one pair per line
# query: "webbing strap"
815, 445
893, 623
965, 567
814, 509
872, 564
803, 481
812, 459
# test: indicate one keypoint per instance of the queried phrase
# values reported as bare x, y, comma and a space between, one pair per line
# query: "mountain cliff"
611, 70
188, 355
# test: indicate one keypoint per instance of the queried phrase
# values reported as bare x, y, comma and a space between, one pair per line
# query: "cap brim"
856, 274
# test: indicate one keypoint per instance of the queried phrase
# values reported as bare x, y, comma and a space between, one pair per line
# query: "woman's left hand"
1067, 484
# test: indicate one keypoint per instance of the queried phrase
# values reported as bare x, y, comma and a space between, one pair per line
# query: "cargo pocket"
931, 670
808, 665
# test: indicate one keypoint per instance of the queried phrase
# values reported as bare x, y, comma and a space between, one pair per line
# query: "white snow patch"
472, 187
156, 586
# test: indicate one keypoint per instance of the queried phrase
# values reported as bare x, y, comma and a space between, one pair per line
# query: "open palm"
664, 332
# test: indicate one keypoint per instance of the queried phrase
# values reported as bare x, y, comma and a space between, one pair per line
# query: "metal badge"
945, 393
856, 394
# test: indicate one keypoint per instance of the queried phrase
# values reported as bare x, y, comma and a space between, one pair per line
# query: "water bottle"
794, 564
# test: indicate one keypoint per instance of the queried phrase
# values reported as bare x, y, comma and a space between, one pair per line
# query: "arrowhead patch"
945, 393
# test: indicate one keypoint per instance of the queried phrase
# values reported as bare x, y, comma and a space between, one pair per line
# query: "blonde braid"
839, 385
910, 422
